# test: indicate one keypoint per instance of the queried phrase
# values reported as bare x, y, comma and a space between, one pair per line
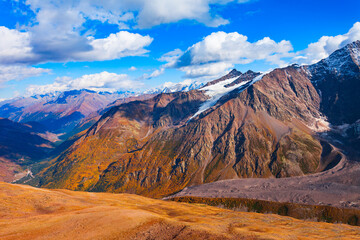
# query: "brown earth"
31, 213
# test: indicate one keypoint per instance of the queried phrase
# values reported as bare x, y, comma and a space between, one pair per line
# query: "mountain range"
291, 121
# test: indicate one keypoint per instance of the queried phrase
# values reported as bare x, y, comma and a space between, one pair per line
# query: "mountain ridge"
268, 129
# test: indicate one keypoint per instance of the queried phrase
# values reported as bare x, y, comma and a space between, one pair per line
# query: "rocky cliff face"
242, 125
337, 80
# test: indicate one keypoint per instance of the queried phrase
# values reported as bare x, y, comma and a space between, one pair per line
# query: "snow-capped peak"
170, 87
344, 61
220, 89
354, 49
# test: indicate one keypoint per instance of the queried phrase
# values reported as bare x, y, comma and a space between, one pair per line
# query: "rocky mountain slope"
240, 126
337, 80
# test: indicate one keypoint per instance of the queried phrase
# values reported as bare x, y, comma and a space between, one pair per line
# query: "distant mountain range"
288, 122
60, 112
174, 87
54, 118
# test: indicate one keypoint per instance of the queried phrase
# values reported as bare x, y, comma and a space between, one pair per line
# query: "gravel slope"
339, 187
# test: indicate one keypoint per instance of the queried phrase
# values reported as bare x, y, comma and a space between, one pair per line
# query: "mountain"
244, 125
337, 80
20, 145
57, 112
61, 112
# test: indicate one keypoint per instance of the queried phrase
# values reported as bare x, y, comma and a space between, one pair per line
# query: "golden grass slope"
31, 213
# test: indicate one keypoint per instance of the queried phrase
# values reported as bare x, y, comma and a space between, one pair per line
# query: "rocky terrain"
339, 187
337, 81
244, 125
31, 213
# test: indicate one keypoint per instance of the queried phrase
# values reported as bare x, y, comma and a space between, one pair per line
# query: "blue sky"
138, 44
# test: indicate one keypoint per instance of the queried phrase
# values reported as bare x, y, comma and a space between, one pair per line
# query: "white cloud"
103, 81
155, 12
209, 69
57, 31
171, 57
234, 47
154, 74
14, 46
19, 72
327, 45
139, 13
219, 51
121, 44
132, 68
19, 47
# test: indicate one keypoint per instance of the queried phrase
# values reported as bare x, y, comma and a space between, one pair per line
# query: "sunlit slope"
30, 213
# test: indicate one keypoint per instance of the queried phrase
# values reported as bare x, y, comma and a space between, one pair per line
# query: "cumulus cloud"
57, 31
154, 74
132, 68
19, 72
19, 47
156, 12
327, 45
204, 70
171, 57
121, 44
14, 46
103, 81
139, 13
219, 51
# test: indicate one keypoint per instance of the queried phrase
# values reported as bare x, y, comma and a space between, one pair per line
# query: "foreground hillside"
31, 213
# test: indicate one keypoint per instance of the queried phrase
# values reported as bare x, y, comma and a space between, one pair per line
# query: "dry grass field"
32, 213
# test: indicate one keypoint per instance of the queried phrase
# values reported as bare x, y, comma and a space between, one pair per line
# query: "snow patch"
320, 125
170, 87
356, 55
218, 90
287, 75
